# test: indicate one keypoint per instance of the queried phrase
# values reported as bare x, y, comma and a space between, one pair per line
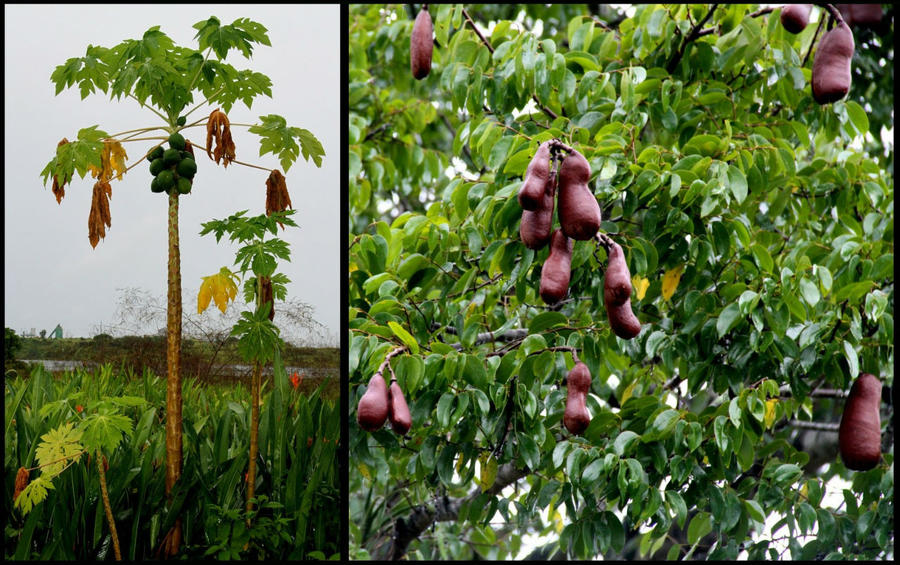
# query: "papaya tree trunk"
107, 507
173, 363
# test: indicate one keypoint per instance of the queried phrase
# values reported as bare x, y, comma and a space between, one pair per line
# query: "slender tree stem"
107, 507
254, 437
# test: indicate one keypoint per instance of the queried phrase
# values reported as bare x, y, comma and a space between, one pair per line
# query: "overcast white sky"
53, 276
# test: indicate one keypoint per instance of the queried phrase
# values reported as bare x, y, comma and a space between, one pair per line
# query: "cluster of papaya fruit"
831, 74
173, 169
579, 219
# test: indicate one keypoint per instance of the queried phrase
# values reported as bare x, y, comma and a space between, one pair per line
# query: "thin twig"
477, 32
813, 42
690, 37
761, 11
487, 44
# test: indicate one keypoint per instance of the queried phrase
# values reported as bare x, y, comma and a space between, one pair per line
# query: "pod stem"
560, 146
830, 8
387, 360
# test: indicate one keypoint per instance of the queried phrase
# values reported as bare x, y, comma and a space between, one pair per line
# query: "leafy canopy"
757, 225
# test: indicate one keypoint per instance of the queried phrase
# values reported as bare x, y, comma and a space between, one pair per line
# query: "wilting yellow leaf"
220, 287
626, 394
557, 520
204, 297
640, 285
488, 472
117, 158
112, 158
770, 412
670, 281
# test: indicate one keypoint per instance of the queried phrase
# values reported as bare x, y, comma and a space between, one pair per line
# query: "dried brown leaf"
99, 218
277, 197
219, 128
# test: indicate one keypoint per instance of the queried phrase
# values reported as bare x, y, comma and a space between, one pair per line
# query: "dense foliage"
758, 227
297, 488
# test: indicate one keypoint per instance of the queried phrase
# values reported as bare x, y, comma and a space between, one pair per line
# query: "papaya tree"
190, 90
737, 286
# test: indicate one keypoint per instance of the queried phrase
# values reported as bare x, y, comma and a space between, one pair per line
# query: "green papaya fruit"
176, 141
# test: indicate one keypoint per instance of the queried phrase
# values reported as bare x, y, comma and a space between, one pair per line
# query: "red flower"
309, 442
296, 380
79, 408
247, 477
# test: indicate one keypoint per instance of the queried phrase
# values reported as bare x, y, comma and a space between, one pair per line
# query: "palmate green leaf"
240, 35
58, 447
76, 156
230, 85
34, 493
259, 337
104, 429
90, 72
278, 139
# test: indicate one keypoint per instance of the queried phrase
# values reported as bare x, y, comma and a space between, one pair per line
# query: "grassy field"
66, 519
206, 361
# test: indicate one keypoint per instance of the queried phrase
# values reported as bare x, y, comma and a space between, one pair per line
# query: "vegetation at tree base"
756, 225
297, 489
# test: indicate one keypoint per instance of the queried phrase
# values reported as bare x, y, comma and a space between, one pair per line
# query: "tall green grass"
297, 483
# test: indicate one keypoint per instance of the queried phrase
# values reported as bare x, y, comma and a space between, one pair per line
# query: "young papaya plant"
95, 430
177, 84
259, 340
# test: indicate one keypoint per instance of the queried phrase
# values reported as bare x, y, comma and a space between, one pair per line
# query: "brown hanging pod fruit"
372, 410
795, 17
557, 269
421, 45
831, 65
537, 177
398, 412
622, 320
535, 227
859, 435
579, 212
578, 383
617, 281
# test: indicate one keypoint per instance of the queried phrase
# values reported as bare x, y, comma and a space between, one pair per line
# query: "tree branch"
485, 337
393, 541
818, 426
